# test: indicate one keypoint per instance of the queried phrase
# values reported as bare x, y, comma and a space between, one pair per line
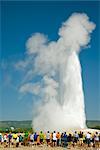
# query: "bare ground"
49, 148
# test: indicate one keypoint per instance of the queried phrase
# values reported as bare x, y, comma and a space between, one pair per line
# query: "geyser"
60, 104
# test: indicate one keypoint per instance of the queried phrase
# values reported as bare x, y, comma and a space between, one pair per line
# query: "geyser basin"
60, 93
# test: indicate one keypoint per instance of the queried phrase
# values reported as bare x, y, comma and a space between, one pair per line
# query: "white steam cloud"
60, 89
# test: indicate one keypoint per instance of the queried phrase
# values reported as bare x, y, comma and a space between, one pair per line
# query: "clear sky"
19, 21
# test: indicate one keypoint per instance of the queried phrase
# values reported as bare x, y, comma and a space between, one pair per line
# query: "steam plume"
60, 88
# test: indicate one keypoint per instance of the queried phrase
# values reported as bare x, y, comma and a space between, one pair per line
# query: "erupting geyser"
59, 90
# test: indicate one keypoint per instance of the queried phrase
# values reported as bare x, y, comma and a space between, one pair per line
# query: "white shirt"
54, 136
17, 140
96, 138
88, 136
76, 135
48, 136
31, 136
5, 138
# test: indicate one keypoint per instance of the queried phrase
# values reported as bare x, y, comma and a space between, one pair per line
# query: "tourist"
65, 140
51, 139
35, 138
20, 138
54, 139
81, 138
31, 138
5, 138
41, 136
48, 138
88, 139
58, 136
62, 139
96, 140
70, 140
76, 137
17, 141
38, 140
9, 138
0, 137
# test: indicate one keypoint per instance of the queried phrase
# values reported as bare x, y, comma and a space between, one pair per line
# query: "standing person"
31, 138
96, 140
26, 135
1, 137
54, 139
9, 138
38, 140
81, 138
51, 139
20, 138
17, 141
58, 136
88, 139
70, 140
65, 139
14, 137
5, 139
35, 138
48, 138
76, 137
41, 137
62, 139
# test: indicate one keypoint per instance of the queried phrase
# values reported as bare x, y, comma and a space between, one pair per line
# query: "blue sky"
19, 21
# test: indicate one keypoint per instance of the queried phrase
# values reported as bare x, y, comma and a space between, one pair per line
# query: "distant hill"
93, 124
16, 124
28, 124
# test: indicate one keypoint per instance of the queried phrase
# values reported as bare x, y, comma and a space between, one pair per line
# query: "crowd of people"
51, 139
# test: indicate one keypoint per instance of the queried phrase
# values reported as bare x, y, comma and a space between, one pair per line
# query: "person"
70, 140
38, 140
58, 136
76, 137
14, 137
62, 139
65, 140
96, 140
35, 138
41, 135
51, 139
1, 138
5, 139
31, 138
81, 138
17, 141
48, 138
88, 139
9, 138
26, 135
54, 139
20, 138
